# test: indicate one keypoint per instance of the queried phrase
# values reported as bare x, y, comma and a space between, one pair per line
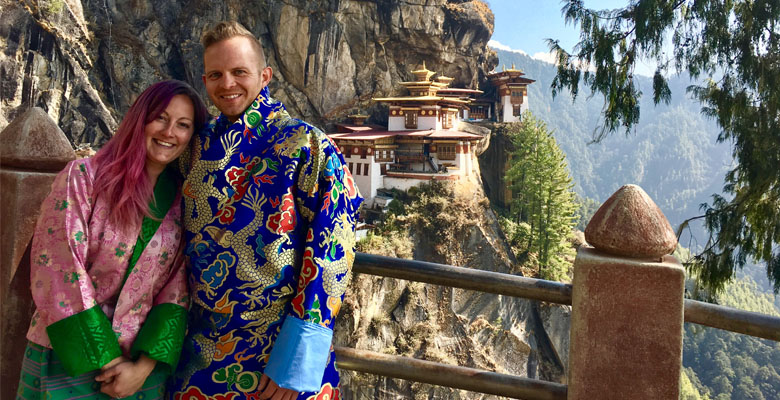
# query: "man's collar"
263, 105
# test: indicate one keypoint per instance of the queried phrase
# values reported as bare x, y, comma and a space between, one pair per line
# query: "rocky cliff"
85, 61
451, 225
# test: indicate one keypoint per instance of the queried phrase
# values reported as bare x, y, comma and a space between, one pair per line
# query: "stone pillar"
32, 150
627, 304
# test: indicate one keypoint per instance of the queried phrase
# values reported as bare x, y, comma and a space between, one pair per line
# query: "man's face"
233, 75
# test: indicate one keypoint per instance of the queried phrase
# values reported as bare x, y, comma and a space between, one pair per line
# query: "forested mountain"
672, 155
727, 365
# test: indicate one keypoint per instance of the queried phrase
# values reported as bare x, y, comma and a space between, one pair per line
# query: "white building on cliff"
419, 144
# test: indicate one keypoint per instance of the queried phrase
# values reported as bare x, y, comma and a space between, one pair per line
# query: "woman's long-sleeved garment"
91, 307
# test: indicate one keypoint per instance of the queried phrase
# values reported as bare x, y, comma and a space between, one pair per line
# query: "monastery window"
411, 119
358, 168
478, 112
383, 169
517, 110
446, 122
365, 170
445, 151
351, 168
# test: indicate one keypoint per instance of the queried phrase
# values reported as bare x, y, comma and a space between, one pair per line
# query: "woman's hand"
126, 378
113, 363
270, 390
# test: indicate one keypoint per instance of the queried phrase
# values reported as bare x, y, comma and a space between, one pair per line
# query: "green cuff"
162, 335
84, 342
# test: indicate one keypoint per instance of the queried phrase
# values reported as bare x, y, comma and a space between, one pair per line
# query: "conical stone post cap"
630, 224
33, 141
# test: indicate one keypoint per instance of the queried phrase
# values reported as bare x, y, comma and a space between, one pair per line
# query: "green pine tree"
735, 47
542, 197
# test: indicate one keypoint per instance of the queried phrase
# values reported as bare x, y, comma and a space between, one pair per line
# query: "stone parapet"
626, 327
627, 304
33, 150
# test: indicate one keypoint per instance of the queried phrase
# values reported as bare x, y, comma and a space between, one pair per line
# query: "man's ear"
265, 76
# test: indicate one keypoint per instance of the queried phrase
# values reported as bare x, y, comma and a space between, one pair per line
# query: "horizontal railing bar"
464, 278
730, 319
457, 377
726, 318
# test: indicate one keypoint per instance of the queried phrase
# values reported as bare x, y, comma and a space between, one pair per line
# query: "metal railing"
447, 375
744, 322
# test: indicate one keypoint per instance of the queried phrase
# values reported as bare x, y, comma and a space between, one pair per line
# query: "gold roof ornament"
358, 118
423, 74
513, 69
446, 80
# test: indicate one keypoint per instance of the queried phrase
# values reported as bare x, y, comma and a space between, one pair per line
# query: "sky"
523, 25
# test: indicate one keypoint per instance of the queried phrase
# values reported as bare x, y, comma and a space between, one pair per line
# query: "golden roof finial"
423, 74
503, 67
513, 65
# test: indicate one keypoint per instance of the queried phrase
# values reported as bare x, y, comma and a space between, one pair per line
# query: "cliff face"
494, 161
452, 326
85, 61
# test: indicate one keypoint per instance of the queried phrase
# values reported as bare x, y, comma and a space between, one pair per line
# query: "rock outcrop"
84, 62
494, 161
452, 326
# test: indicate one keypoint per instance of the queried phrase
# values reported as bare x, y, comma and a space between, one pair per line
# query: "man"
270, 211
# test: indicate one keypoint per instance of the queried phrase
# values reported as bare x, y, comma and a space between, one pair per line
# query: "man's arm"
329, 206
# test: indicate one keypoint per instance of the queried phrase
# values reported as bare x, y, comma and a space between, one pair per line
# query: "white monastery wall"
506, 103
428, 123
401, 183
396, 124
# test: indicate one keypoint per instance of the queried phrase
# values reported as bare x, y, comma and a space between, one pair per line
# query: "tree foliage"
543, 201
728, 365
735, 44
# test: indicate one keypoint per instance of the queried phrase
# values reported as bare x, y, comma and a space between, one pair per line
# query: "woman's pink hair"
121, 163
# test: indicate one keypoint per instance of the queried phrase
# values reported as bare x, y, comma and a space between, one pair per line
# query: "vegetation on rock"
542, 212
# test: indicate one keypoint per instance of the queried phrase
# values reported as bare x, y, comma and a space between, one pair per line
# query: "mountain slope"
672, 154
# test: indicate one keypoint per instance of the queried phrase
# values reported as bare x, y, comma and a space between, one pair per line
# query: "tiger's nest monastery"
421, 142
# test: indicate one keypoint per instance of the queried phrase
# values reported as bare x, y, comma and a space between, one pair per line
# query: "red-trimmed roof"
358, 128
444, 134
360, 135
459, 90
432, 134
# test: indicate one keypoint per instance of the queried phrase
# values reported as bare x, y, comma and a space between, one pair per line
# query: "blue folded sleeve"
300, 355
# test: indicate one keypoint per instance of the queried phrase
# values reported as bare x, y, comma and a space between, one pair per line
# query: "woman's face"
169, 133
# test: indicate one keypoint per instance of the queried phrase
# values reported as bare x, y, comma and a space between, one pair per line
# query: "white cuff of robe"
300, 355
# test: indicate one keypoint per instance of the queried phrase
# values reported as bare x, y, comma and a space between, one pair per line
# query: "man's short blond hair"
230, 29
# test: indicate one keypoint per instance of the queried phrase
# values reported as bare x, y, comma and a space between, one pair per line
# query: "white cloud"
500, 46
549, 58
546, 57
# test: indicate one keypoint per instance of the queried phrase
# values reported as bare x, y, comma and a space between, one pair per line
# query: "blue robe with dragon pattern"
270, 213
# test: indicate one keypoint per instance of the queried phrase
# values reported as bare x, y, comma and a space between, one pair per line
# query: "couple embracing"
195, 258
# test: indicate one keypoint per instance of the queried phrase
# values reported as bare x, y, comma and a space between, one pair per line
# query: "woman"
107, 272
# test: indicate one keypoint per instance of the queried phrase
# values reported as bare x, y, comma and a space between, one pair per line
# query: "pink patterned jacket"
79, 261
